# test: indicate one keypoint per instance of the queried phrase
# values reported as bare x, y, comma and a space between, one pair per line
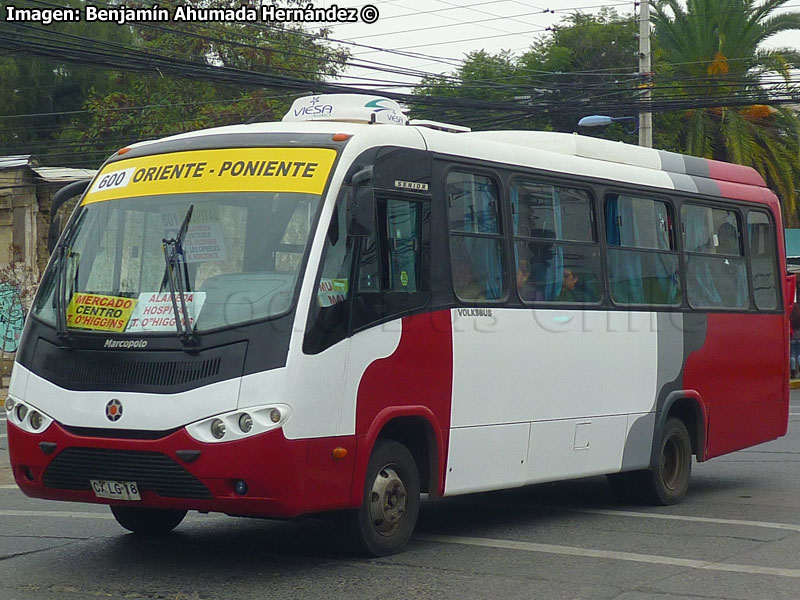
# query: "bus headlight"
26, 417
35, 420
239, 424
245, 423
218, 428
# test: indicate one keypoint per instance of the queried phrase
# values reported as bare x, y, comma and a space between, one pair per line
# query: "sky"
434, 35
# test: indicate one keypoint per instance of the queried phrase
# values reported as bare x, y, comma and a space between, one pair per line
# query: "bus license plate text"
115, 490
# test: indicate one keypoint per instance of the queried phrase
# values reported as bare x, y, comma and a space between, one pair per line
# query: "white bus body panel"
476, 146
487, 458
551, 364
561, 398
141, 411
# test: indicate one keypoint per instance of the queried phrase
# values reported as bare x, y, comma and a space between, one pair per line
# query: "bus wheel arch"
417, 434
679, 433
688, 407
398, 459
418, 429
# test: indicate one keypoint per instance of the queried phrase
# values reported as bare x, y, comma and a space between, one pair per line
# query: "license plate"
115, 490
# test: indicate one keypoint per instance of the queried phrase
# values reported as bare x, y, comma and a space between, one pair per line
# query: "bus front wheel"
668, 481
388, 513
147, 520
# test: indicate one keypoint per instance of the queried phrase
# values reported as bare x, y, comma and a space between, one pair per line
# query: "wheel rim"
388, 499
672, 460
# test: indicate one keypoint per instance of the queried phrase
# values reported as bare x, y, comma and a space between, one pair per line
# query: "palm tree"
711, 50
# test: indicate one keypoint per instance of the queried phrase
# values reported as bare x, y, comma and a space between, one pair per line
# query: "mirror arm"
76, 188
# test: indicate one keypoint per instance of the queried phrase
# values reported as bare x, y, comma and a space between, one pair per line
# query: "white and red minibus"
345, 310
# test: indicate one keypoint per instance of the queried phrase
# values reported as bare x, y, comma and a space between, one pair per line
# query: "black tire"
388, 513
148, 521
668, 482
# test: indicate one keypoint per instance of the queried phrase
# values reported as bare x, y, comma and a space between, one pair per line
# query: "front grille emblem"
114, 410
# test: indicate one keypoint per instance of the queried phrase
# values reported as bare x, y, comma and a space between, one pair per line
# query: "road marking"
9, 486
3, 436
609, 554
61, 514
642, 515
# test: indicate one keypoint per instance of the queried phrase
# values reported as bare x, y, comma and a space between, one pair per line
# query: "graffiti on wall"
12, 317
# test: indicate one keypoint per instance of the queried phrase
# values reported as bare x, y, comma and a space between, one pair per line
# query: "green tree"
153, 104
483, 77
590, 60
140, 101
50, 91
710, 49
585, 59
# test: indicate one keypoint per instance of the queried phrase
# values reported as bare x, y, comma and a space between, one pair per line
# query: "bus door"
391, 286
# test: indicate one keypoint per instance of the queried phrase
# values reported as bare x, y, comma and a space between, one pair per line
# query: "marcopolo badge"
114, 410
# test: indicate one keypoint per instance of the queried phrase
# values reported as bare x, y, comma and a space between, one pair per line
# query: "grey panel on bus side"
684, 183
679, 334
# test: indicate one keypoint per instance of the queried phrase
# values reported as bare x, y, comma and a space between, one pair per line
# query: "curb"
794, 384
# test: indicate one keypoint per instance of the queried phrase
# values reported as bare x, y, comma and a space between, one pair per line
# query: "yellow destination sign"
100, 313
303, 170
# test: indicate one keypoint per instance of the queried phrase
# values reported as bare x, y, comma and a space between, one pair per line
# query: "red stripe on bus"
722, 171
416, 380
744, 391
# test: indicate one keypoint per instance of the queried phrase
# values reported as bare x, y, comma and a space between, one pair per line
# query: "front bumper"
285, 478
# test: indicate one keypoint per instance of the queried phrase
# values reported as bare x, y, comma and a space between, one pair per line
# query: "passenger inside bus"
574, 288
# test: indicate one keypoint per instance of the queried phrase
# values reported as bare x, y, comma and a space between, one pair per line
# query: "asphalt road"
737, 536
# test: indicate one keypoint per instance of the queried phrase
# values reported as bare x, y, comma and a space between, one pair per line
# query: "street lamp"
603, 120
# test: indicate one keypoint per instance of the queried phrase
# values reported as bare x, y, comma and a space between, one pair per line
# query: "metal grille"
152, 471
126, 372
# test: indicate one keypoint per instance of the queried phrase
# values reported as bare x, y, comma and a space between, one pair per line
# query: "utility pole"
645, 118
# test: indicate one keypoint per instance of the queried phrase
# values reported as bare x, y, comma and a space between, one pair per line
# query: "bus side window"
761, 234
642, 257
556, 255
716, 276
403, 226
392, 278
328, 322
369, 269
476, 239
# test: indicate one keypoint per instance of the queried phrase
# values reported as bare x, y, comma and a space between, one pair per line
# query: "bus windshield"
239, 261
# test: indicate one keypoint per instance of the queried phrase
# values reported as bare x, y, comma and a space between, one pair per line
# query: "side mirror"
71, 190
361, 204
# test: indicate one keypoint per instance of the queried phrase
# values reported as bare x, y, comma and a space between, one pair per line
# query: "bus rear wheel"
668, 482
388, 513
149, 521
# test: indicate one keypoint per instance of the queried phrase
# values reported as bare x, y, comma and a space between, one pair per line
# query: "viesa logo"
314, 108
376, 104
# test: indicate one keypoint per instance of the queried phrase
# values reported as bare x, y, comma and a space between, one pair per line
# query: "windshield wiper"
178, 279
64, 256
